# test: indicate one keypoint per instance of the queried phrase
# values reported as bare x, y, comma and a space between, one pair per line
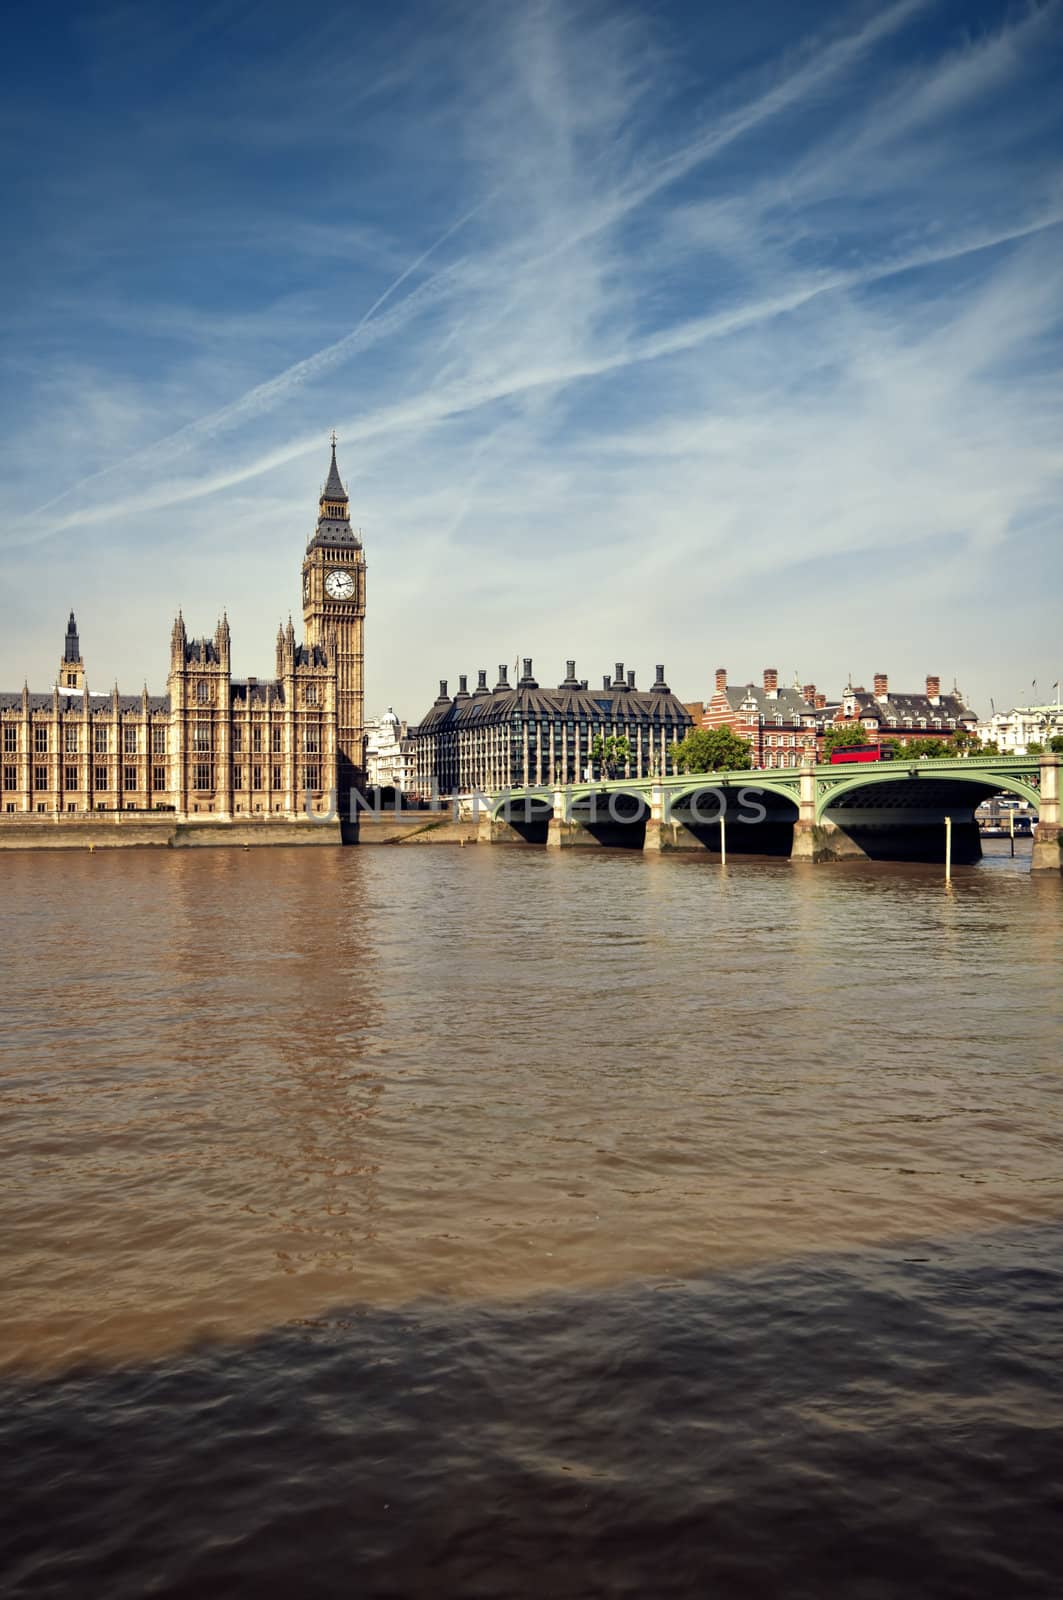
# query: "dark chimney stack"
631, 679
771, 680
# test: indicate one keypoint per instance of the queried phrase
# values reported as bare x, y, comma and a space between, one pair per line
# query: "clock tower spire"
334, 621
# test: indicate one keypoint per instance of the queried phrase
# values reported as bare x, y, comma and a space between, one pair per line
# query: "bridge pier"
565, 831
818, 841
651, 839
824, 841
1047, 844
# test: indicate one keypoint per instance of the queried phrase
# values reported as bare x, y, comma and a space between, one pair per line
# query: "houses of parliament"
213, 745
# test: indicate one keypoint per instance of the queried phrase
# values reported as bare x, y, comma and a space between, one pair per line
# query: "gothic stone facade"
212, 745
512, 736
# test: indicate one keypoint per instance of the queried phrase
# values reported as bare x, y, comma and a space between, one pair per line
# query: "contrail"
262, 395
464, 397
833, 59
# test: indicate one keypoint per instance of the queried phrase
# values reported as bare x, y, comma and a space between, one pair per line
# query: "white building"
1014, 731
388, 763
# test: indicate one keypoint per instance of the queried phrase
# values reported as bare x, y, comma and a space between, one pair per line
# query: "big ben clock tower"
334, 619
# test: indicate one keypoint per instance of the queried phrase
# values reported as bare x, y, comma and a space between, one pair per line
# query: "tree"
1056, 743
712, 750
843, 736
925, 750
1035, 748
612, 752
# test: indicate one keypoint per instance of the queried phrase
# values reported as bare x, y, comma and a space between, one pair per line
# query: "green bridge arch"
991, 779
753, 779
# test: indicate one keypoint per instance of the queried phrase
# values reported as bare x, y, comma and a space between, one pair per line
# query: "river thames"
500, 1222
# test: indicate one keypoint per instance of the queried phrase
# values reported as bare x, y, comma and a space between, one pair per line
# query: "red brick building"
780, 724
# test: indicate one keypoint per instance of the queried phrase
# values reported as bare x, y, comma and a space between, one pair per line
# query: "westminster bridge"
884, 810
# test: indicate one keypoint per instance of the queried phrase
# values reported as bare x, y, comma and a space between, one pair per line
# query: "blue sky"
708, 335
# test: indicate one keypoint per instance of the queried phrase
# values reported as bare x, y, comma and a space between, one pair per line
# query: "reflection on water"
426, 1222
243, 1086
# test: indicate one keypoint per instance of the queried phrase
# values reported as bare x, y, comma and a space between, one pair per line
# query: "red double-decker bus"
863, 752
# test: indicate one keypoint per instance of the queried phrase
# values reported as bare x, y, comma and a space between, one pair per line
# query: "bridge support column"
559, 822
655, 821
810, 842
495, 830
1047, 847
817, 841
824, 841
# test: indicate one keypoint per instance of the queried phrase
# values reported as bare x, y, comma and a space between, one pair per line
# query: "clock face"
339, 585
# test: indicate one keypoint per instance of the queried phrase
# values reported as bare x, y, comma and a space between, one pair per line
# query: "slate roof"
789, 704
204, 651
310, 655
75, 702
899, 709
243, 692
572, 699
333, 531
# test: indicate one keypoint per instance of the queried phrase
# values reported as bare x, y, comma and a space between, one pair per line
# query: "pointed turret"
334, 513
333, 490
71, 667
178, 642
